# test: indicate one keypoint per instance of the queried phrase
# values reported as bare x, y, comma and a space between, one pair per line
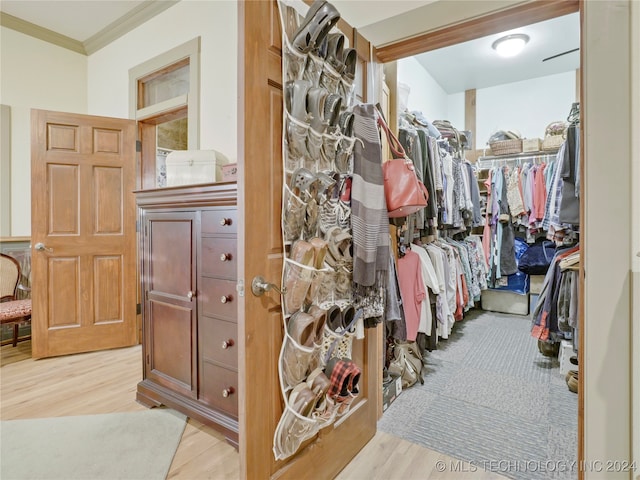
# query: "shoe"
339, 249
571, 373
296, 99
334, 53
320, 318
572, 382
316, 99
317, 23
332, 107
548, 349
302, 328
350, 60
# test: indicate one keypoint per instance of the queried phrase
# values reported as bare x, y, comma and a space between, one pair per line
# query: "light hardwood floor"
105, 382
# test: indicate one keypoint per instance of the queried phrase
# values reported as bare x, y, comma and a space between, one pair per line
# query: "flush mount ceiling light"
511, 45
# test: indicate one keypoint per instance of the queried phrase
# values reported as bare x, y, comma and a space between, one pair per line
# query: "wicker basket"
506, 147
531, 145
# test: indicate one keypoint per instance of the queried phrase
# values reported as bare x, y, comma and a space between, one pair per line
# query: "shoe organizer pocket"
292, 430
296, 142
328, 152
295, 63
295, 362
313, 69
344, 155
297, 281
336, 345
314, 146
330, 79
293, 215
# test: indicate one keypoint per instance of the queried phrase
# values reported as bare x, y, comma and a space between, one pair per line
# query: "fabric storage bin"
531, 145
187, 167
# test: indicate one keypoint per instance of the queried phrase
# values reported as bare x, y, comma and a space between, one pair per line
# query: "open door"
83, 233
260, 241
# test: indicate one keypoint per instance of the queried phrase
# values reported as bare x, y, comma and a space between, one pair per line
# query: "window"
164, 97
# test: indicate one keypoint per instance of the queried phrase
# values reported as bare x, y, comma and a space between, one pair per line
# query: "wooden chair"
12, 310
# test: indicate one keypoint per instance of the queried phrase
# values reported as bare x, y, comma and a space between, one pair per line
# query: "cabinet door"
169, 280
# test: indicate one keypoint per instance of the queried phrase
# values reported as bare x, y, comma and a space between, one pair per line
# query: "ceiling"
460, 67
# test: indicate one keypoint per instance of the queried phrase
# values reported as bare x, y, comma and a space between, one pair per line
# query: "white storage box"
186, 167
535, 285
565, 354
505, 301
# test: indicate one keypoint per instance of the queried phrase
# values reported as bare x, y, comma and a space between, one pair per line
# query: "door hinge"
240, 288
138, 309
138, 146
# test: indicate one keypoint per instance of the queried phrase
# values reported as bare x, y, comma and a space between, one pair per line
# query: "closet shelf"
491, 160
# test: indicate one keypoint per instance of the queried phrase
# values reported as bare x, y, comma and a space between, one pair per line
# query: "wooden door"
83, 215
169, 271
260, 244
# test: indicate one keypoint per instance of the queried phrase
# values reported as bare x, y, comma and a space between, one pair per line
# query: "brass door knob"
225, 257
228, 391
225, 299
191, 294
225, 221
227, 343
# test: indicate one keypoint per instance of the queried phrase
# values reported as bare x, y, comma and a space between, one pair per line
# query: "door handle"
190, 294
41, 248
259, 285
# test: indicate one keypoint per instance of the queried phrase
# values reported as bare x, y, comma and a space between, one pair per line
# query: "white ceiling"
76, 19
469, 65
475, 64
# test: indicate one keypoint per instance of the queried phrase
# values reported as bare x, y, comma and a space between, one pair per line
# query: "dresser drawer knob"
225, 299
225, 257
227, 343
228, 391
225, 221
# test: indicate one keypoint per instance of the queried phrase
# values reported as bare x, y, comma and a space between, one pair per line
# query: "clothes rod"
490, 161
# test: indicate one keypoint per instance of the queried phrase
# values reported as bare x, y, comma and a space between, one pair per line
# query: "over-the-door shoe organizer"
318, 380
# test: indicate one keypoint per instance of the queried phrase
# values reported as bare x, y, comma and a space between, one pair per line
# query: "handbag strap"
394, 144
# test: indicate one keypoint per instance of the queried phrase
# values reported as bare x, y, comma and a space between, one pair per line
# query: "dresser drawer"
218, 341
218, 298
219, 257
220, 220
219, 388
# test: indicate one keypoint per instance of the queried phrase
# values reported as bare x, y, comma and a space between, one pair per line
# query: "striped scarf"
369, 220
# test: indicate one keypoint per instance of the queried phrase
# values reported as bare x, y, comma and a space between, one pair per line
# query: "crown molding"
36, 31
116, 29
136, 17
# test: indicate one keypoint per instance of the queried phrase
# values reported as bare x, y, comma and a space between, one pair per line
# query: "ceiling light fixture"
510, 45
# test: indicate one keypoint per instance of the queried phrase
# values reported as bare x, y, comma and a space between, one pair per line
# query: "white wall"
217, 25
426, 95
635, 228
527, 106
606, 364
35, 74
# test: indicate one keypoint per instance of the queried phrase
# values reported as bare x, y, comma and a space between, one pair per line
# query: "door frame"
503, 20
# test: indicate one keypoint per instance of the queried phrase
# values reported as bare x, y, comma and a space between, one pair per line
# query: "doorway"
447, 37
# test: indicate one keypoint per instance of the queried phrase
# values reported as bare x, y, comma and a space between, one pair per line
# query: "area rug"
134, 445
489, 397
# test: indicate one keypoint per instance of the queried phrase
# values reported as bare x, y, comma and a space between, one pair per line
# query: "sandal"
339, 248
317, 23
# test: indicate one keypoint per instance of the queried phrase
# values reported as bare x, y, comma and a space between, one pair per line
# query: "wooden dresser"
188, 270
